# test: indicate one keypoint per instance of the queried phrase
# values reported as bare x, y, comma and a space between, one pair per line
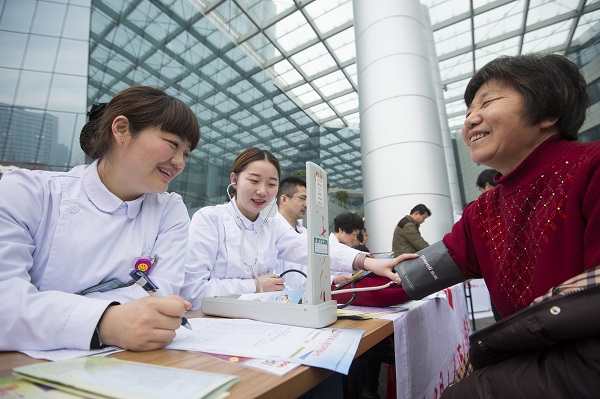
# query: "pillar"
403, 157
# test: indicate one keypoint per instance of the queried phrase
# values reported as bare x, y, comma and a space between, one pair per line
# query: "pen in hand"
142, 279
186, 323
358, 273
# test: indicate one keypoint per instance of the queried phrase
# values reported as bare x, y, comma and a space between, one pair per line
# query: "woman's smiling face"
144, 163
496, 132
256, 186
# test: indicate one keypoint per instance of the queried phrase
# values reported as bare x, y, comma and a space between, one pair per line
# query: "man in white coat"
291, 204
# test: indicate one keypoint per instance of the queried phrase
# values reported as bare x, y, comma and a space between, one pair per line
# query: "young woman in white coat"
64, 234
233, 248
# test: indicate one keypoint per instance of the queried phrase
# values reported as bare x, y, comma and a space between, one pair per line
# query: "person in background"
346, 228
532, 236
485, 180
64, 234
407, 237
291, 206
292, 202
363, 238
233, 248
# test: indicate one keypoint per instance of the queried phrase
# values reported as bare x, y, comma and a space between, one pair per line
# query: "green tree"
342, 196
299, 173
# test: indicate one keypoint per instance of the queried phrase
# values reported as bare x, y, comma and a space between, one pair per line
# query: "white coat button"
73, 208
555, 310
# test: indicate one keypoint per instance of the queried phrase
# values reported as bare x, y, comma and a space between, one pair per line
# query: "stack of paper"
105, 377
329, 348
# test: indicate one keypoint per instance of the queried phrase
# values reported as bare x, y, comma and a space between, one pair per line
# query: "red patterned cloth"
537, 228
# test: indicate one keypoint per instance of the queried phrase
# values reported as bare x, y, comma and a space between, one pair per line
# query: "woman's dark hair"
252, 154
144, 107
348, 222
486, 177
552, 85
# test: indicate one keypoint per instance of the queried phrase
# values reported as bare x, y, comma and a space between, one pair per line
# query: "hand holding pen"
143, 324
142, 279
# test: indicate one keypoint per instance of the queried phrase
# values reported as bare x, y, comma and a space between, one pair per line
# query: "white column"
439, 99
403, 157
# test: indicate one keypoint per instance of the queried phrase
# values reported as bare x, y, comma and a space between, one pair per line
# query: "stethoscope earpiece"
228, 192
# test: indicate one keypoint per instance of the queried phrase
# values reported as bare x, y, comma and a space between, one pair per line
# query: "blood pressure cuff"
432, 271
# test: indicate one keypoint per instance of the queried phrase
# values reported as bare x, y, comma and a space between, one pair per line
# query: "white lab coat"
334, 241
293, 280
214, 264
61, 233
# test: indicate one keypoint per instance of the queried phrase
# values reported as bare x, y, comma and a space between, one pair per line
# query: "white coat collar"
103, 199
248, 224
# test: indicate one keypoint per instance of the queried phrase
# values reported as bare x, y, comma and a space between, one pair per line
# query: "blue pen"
142, 279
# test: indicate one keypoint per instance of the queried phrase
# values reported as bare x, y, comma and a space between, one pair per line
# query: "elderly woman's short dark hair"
552, 85
348, 222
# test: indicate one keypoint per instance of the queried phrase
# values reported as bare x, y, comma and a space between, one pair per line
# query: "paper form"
276, 367
333, 349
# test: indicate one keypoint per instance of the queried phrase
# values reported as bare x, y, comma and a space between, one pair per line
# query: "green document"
98, 377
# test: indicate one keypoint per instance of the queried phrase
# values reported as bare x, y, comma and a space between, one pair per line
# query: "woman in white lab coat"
63, 234
233, 248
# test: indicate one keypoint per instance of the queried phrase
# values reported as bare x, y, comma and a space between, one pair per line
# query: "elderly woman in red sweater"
539, 227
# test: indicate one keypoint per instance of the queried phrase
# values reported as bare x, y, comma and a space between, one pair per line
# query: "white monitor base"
313, 316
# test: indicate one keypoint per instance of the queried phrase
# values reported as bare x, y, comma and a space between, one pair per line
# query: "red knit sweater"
537, 228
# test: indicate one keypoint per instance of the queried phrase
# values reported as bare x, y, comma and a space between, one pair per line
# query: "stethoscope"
243, 229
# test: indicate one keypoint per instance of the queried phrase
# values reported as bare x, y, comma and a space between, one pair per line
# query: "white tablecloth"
430, 342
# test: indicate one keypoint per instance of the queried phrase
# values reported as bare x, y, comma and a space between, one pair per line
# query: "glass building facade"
273, 74
171, 45
43, 75
59, 58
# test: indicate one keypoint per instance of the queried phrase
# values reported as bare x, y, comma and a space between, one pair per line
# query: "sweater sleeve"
460, 246
590, 209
